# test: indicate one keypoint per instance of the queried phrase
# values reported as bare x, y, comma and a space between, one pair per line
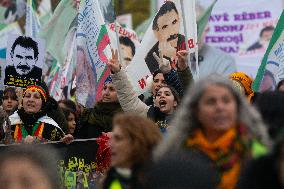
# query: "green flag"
202, 22
271, 70
59, 31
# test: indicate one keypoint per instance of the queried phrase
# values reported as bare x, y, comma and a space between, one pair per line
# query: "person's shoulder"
36, 73
10, 69
255, 46
217, 52
155, 48
36, 69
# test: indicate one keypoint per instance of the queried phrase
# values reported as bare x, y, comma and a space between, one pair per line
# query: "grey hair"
185, 120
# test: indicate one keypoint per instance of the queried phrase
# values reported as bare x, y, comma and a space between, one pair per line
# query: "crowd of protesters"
213, 133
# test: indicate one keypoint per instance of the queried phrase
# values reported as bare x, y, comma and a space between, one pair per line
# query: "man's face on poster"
265, 38
23, 60
127, 54
168, 28
268, 83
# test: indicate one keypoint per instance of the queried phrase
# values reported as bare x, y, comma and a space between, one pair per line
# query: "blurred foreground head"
29, 166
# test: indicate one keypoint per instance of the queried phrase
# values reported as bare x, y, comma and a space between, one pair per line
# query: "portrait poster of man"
165, 34
128, 41
24, 61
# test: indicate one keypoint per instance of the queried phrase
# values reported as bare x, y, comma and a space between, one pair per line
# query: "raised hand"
182, 60
164, 64
113, 63
167, 50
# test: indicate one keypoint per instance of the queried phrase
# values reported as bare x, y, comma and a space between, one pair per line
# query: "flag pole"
196, 71
195, 39
118, 45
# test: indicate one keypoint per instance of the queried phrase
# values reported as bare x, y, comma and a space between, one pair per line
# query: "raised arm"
127, 97
183, 71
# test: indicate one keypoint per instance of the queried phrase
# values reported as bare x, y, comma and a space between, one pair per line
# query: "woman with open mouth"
166, 99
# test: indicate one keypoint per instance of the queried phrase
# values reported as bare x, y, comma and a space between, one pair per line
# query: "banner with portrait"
167, 34
243, 29
93, 51
271, 70
128, 41
13, 28
24, 61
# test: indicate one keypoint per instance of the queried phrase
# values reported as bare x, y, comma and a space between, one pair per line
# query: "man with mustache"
24, 55
165, 26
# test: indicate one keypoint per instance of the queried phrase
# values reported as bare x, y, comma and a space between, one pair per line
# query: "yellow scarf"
225, 152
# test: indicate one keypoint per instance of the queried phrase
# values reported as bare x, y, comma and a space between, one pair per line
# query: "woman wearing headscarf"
31, 122
95, 121
243, 83
215, 120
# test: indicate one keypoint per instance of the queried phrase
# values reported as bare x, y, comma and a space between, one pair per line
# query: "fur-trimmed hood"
185, 121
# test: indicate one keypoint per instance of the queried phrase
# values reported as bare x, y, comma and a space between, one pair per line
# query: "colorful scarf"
21, 132
227, 152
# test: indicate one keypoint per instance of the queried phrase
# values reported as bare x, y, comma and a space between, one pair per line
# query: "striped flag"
59, 34
92, 52
271, 70
59, 31
203, 20
32, 26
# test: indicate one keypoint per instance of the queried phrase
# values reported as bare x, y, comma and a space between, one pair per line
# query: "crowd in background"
213, 133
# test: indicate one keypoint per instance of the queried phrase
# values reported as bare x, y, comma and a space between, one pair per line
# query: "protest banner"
93, 51
271, 70
243, 29
24, 61
125, 20
166, 33
77, 166
128, 40
13, 28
